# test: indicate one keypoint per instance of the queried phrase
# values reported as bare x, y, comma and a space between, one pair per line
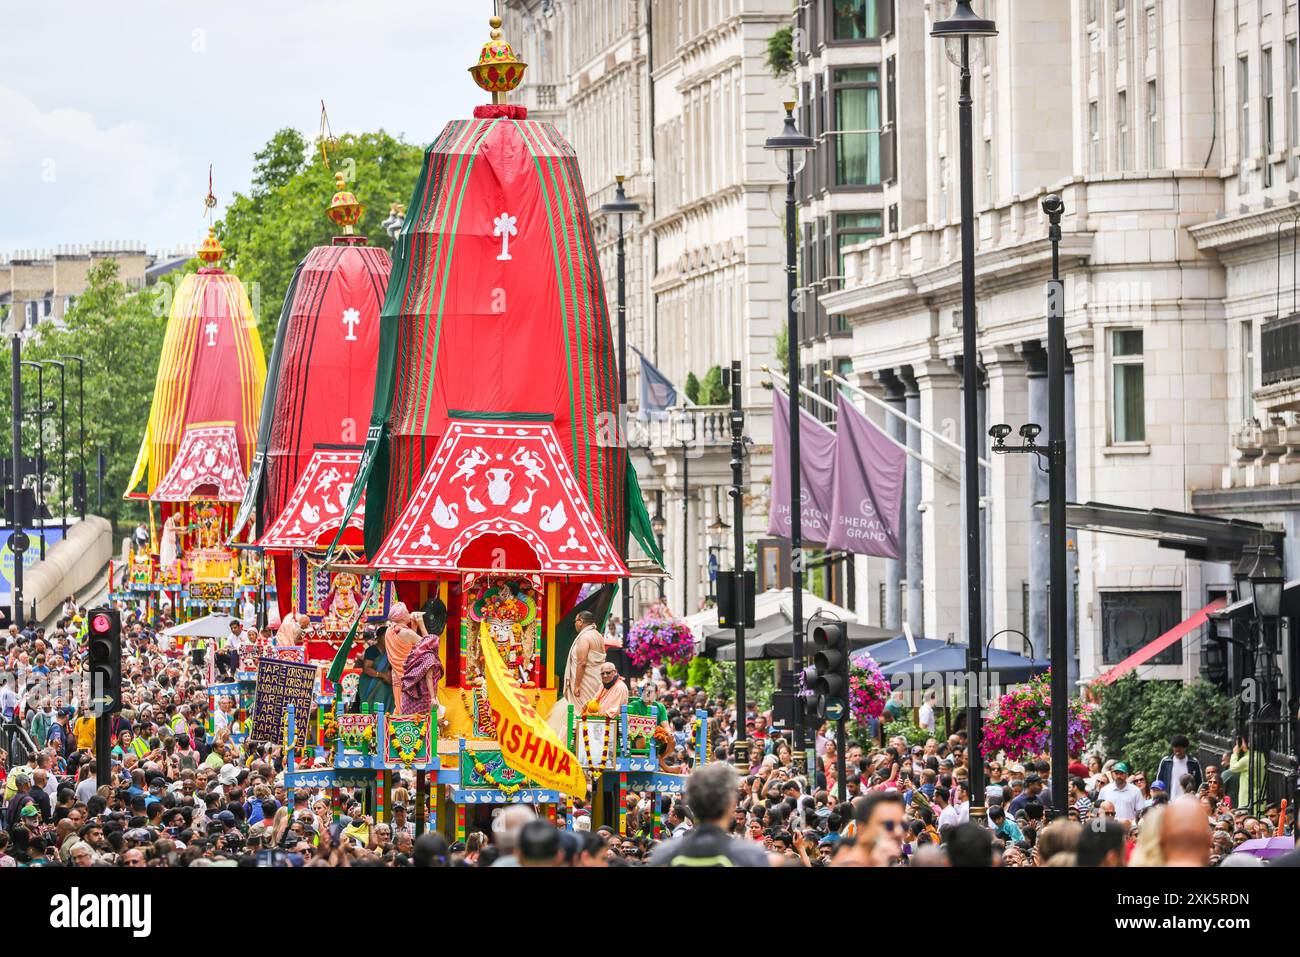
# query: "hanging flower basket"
1021, 723
868, 691
658, 639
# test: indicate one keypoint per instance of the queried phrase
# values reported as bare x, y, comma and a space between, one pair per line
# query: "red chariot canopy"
207, 465
312, 515
500, 480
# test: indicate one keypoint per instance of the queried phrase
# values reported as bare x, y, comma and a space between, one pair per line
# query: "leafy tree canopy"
268, 232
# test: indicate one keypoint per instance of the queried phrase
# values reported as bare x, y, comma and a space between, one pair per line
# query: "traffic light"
104, 634
828, 675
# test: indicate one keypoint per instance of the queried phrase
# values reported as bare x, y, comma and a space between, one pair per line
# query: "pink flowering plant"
1021, 723
657, 638
868, 691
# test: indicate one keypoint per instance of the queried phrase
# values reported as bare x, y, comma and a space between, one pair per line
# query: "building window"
1247, 370
1153, 126
855, 19
1131, 620
854, 228
1121, 108
1293, 95
1128, 413
1094, 137
855, 93
1266, 114
988, 171
1243, 109
1151, 29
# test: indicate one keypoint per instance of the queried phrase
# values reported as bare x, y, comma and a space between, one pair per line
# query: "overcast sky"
111, 112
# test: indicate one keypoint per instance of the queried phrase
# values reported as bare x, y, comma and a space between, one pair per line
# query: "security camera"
1053, 205
1000, 432
1030, 430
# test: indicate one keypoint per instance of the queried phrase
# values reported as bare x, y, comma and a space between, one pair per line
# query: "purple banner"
867, 495
816, 473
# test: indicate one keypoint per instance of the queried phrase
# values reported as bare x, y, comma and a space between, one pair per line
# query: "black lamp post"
684, 433
63, 443
791, 149
958, 31
40, 448
1055, 454
622, 206
80, 480
1263, 581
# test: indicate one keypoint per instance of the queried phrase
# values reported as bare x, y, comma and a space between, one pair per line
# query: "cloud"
131, 110
68, 176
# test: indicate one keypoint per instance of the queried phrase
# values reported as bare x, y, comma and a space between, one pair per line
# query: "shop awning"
1202, 537
1149, 651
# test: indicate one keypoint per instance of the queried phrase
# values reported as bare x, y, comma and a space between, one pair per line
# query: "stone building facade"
1170, 128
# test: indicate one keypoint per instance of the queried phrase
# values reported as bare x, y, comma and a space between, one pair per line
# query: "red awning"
311, 516
207, 465
502, 479
1149, 651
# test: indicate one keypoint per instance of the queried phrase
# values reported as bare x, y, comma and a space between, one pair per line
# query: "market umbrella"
1267, 847
1008, 667
887, 652
209, 626
779, 642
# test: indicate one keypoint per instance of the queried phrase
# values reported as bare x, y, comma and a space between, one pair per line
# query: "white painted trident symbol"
504, 226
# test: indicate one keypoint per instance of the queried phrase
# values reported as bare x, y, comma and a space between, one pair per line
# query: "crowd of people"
187, 791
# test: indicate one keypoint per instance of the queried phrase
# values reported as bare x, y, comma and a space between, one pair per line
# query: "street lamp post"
622, 206
741, 752
791, 149
684, 433
958, 30
40, 448
63, 444
80, 481
19, 526
1264, 582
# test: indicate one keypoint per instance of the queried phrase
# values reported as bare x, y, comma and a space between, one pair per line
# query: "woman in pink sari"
423, 668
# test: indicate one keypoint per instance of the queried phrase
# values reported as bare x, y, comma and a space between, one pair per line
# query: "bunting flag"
658, 394
495, 308
866, 499
528, 744
816, 473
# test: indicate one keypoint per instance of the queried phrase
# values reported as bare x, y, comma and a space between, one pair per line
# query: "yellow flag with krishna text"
528, 745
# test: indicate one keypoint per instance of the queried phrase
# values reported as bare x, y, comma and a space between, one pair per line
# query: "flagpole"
938, 436
940, 470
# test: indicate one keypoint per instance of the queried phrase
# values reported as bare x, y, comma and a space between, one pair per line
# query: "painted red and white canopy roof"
314, 510
207, 465
500, 478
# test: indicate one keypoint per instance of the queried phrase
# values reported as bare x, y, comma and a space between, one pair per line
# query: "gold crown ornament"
344, 209
210, 250
498, 69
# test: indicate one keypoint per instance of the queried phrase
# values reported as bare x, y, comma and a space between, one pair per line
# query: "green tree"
712, 391
760, 682
780, 53
267, 232
1135, 719
118, 331
692, 388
